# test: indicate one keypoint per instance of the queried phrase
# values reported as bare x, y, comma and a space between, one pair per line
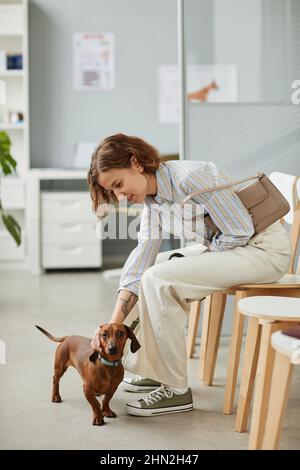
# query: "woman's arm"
225, 209
144, 254
232, 218
125, 302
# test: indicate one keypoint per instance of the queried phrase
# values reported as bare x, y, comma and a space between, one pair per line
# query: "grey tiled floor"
75, 303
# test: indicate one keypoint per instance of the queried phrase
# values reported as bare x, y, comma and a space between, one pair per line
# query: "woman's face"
130, 183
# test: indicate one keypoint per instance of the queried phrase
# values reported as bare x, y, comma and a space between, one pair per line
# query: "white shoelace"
157, 395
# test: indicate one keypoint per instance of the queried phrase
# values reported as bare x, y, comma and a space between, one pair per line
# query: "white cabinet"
69, 231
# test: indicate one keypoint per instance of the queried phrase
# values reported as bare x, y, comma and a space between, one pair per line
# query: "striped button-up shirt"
162, 213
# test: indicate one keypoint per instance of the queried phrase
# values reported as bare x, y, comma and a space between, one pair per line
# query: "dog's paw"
56, 399
98, 421
109, 413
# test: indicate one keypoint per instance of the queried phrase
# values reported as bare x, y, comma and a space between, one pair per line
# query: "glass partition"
241, 51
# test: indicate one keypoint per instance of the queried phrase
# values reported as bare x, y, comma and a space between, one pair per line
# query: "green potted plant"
8, 165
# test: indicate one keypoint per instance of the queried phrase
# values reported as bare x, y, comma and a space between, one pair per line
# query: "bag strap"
223, 186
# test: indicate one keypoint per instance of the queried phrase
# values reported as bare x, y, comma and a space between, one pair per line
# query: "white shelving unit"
11, 73
14, 40
13, 127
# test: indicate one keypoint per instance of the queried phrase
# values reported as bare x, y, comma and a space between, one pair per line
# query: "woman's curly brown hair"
116, 152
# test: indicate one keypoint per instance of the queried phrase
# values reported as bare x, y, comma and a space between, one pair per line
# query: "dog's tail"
57, 340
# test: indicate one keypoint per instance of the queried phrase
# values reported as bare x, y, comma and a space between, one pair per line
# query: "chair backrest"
289, 186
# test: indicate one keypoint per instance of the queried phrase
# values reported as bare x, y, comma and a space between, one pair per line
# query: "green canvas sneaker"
139, 384
161, 401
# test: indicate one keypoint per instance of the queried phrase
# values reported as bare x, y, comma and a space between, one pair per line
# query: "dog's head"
109, 341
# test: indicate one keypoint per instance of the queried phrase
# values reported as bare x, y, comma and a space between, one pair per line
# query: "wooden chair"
266, 314
287, 354
214, 305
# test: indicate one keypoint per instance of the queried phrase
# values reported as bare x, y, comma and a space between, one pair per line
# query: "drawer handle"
71, 249
72, 228
71, 205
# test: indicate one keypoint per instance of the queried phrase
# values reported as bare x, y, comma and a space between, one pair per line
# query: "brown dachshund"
98, 363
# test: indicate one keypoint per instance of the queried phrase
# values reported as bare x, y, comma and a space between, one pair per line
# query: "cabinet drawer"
71, 256
66, 207
69, 233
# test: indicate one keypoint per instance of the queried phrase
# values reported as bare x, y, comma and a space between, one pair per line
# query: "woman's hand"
125, 302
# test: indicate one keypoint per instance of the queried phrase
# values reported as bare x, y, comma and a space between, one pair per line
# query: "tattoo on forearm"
127, 304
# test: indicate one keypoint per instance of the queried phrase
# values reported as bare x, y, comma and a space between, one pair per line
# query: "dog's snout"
112, 349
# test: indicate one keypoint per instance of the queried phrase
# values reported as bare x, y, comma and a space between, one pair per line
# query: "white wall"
145, 36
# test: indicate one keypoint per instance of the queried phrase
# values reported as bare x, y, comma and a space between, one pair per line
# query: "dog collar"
109, 363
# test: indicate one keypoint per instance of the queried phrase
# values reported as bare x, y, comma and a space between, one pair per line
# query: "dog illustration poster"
93, 61
212, 83
205, 83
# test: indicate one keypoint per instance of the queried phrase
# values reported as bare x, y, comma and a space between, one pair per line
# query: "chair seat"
271, 308
287, 345
287, 281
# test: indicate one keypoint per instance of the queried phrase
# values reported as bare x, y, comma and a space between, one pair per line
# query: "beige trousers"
167, 288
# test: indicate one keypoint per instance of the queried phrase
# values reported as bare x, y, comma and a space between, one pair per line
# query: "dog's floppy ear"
135, 345
93, 356
95, 343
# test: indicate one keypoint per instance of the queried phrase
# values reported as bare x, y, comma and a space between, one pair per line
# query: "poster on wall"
212, 83
205, 84
93, 60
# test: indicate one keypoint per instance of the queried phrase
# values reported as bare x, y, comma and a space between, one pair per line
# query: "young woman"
159, 291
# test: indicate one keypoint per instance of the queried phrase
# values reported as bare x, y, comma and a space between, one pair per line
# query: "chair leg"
262, 386
234, 355
248, 374
204, 334
193, 327
218, 303
281, 380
